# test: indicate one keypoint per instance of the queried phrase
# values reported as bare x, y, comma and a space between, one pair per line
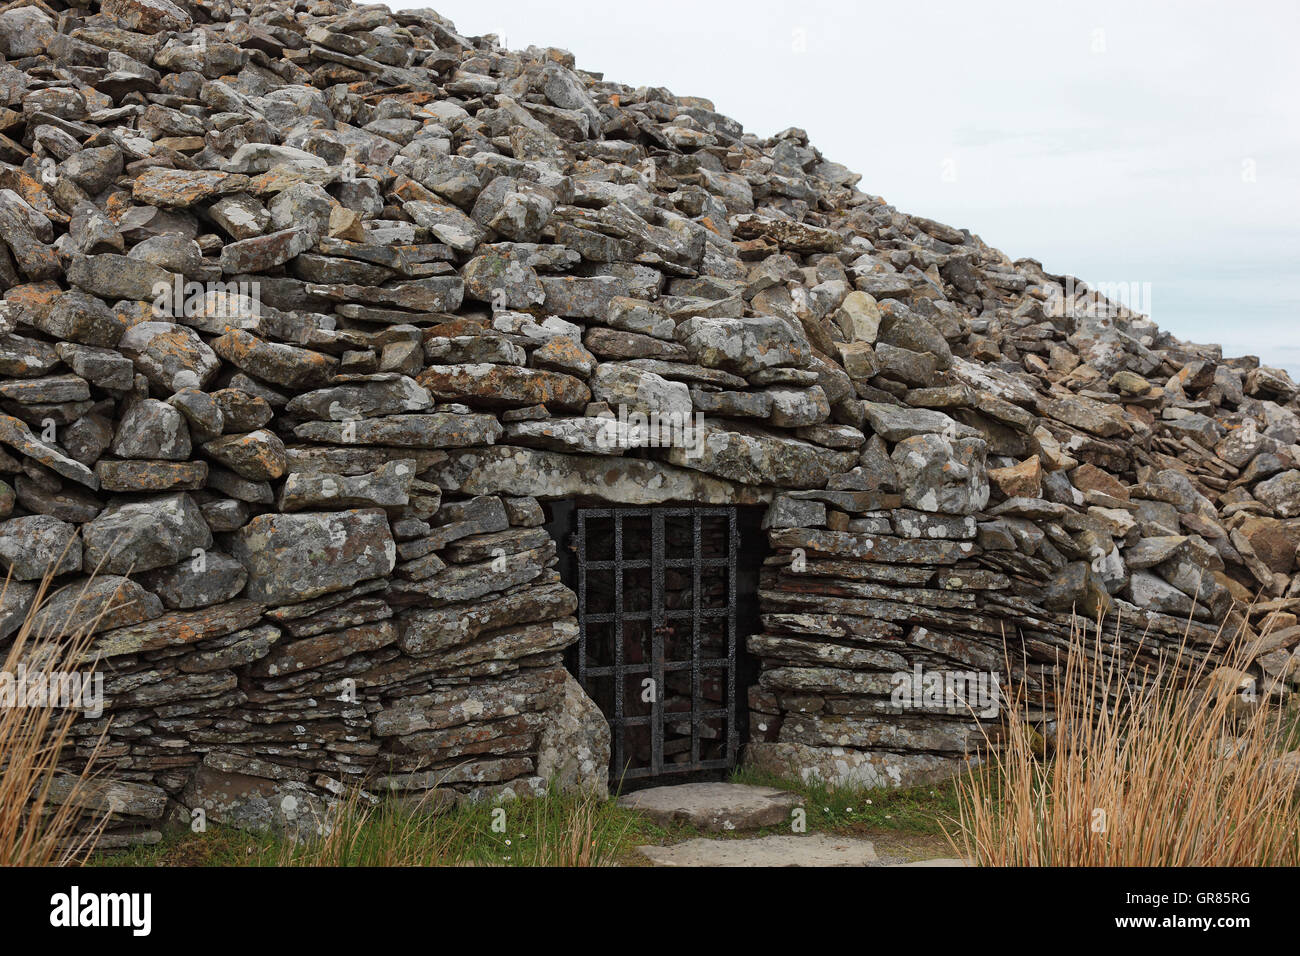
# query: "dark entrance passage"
665, 601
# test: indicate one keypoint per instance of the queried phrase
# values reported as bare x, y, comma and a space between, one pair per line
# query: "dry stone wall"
310, 308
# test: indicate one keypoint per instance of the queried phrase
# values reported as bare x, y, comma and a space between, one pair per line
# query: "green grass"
547, 831
853, 810
557, 830
219, 846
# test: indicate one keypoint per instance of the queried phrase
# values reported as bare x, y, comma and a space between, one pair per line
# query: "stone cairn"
307, 307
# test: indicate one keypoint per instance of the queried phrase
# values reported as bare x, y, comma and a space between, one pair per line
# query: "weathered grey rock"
240, 215
896, 422
639, 316
116, 797
496, 386
859, 318
1152, 593
758, 458
255, 803
565, 355
19, 437
548, 475
936, 474
140, 535
743, 346
810, 849
241, 411
591, 436
101, 367
199, 581
78, 317
257, 456
503, 281
513, 209
91, 605
1077, 589
50, 390
152, 429
439, 430
110, 276
798, 407
264, 252
714, 807
31, 546
151, 476
635, 389
573, 749
787, 512
164, 351
34, 258
285, 365
845, 767
1281, 493
387, 487
293, 558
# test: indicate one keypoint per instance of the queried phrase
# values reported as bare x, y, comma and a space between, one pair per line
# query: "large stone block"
297, 557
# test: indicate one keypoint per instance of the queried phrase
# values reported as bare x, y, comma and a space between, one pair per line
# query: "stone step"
715, 807
936, 861
813, 849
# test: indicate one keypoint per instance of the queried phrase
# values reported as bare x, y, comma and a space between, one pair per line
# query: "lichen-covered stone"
293, 558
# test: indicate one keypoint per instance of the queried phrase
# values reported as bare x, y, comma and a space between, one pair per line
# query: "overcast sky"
1120, 142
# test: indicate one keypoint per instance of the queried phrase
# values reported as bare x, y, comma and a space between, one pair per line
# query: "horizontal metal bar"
640, 772
633, 670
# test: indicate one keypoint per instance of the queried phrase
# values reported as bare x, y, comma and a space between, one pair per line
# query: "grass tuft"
1148, 767
48, 814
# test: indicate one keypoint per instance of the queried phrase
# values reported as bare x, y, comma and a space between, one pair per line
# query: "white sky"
1136, 142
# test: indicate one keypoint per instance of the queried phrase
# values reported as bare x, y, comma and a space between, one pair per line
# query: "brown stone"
496, 386
1019, 481
1089, 477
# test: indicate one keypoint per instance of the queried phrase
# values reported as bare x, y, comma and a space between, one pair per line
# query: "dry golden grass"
47, 814
1164, 775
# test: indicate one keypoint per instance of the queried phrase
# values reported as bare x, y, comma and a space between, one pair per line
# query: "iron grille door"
657, 625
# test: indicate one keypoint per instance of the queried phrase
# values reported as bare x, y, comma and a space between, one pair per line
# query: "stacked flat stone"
308, 308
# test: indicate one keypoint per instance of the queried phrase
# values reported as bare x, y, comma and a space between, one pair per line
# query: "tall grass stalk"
1163, 773
49, 815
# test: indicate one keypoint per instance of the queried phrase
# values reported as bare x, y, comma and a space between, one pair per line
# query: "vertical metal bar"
619, 679
733, 548
582, 600
657, 618
695, 638
661, 618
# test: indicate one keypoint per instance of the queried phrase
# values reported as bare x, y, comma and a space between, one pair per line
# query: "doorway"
666, 599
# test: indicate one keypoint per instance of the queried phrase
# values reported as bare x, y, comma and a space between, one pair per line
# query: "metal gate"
657, 619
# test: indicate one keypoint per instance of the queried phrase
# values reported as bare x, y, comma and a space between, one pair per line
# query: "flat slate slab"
715, 807
937, 861
813, 849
